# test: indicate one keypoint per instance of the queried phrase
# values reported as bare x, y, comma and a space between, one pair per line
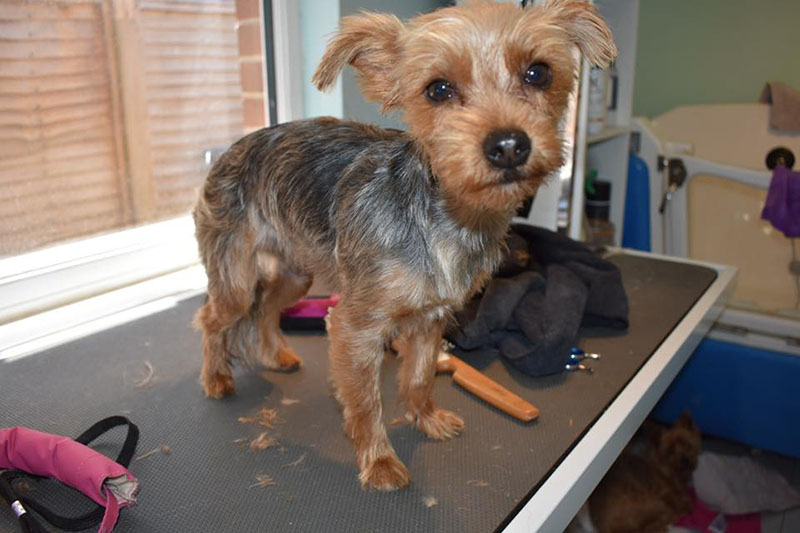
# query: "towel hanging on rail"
785, 101
782, 207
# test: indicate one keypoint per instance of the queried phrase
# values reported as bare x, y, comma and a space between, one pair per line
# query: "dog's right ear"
370, 43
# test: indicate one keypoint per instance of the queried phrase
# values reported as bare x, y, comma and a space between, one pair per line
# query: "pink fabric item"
312, 307
702, 516
70, 462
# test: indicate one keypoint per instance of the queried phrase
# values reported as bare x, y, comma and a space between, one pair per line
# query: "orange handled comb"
486, 389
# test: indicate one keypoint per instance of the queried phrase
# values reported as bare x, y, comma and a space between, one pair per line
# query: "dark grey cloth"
531, 313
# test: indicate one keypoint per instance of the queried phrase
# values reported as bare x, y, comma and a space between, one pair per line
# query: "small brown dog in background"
647, 488
406, 227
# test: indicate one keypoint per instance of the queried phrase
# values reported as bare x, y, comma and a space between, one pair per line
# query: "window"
111, 109
111, 112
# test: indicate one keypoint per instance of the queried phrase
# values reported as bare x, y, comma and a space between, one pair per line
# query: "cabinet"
560, 204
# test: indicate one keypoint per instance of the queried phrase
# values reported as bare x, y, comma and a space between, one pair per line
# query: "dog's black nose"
507, 148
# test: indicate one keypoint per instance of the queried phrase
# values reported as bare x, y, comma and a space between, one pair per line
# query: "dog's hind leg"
231, 284
214, 319
281, 287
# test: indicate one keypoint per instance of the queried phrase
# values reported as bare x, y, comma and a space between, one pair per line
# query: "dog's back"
339, 200
287, 176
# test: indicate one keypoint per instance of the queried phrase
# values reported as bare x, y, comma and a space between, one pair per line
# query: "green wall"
713, 51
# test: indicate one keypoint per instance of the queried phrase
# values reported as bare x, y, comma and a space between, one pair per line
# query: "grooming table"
498, 474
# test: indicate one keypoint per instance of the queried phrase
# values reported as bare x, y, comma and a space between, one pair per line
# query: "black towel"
531, 311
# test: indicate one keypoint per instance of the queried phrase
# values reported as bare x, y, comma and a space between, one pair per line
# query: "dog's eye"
538, 75
440, 91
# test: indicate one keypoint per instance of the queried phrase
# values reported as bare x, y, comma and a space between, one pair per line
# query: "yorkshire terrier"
647, 488
405, 226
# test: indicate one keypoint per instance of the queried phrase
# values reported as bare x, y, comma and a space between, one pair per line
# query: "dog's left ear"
370, 43
585, 27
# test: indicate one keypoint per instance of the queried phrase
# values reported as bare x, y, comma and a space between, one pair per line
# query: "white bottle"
598, 84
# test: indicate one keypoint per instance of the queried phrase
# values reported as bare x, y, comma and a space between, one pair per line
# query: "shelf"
608, 133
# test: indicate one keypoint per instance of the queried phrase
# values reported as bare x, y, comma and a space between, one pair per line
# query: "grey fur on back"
348, 203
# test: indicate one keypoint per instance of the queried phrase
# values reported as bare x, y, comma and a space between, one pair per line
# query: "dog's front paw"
218, 385
385, 473
440, 424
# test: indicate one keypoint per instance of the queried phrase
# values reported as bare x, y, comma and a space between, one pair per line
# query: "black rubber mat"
206, 481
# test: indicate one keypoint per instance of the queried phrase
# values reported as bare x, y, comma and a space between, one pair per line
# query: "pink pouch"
702, 517
308, 314
106, 482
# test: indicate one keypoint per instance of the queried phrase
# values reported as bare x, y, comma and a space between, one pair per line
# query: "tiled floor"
781, 522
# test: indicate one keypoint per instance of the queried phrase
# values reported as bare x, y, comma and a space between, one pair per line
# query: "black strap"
94, 517
107, 424
27, 522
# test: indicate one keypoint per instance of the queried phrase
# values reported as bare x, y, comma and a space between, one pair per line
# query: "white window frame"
52, 295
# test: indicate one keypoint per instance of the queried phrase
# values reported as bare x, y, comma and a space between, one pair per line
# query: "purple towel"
782, 207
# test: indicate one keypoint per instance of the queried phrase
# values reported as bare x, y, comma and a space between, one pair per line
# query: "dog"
405, 226
647, 488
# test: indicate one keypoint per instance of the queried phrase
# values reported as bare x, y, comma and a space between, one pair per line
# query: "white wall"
318, 21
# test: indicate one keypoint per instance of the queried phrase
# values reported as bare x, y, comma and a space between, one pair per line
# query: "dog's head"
483, 87
679, 448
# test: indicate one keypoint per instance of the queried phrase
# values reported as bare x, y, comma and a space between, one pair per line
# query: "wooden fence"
106, 109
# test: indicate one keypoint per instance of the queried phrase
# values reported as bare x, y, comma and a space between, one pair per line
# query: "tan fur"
369, 43
261, 239
418, 351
